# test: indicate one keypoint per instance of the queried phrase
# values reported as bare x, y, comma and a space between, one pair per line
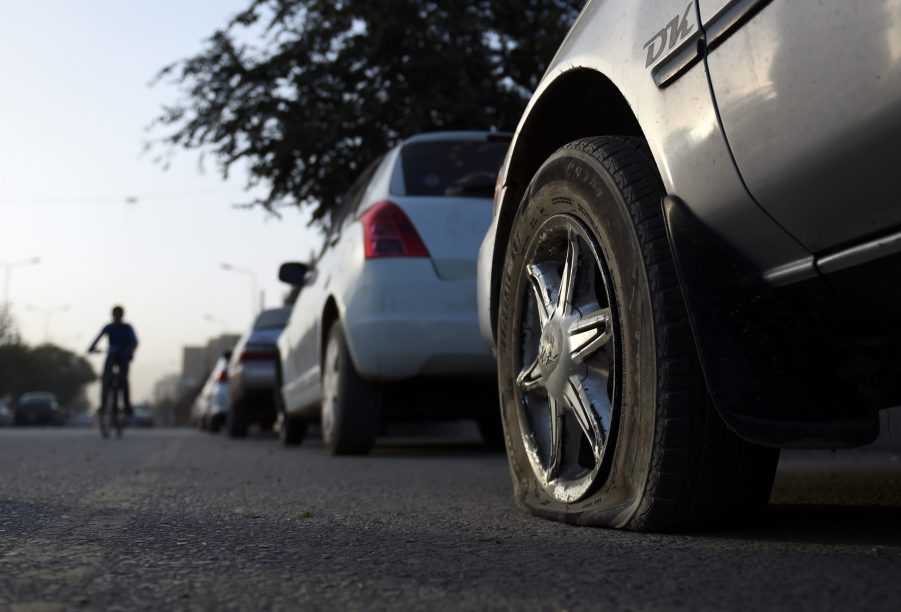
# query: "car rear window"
465, 168
36, 401
36, 398
273, 319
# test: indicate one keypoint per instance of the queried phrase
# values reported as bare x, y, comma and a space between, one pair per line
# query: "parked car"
386, 324
251, 374
692, 254
6, 415
142, 416
210, 409
38, 408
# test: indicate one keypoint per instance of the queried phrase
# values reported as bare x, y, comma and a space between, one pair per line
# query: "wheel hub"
553, 356
550, 347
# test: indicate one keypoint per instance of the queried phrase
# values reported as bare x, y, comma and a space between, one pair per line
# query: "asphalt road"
176, 519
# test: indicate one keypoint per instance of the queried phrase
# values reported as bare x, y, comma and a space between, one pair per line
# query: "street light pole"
253, 285
217, 320
8, 268
47, 313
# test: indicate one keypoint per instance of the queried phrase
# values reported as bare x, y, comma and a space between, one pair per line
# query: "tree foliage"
44, 368
307, 92
9, 334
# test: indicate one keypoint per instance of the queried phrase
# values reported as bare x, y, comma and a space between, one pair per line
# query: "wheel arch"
579, 103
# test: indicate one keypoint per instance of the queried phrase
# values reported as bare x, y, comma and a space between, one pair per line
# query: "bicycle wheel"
117, 415
103, 416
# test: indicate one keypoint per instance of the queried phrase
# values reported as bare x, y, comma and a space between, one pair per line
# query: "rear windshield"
465, 168
36, 401
42, 398
273, 319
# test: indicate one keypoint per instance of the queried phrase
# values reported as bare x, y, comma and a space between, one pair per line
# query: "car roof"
470, 135
38, 395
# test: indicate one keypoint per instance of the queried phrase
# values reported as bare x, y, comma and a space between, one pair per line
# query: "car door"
301, 386
809, 94
306, 326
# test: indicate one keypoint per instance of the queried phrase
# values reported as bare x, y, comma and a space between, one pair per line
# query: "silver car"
210, 409
386, 326
693, 254
252, 374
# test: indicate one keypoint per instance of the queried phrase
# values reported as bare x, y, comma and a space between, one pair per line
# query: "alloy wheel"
330, 380
566, 388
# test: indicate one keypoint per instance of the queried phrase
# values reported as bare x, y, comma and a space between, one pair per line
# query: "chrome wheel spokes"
590, 333
530, 378
580, 405
567, 358
556, 437
539, 285
568, 278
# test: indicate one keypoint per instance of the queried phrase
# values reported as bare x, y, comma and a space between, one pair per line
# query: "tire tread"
701, 473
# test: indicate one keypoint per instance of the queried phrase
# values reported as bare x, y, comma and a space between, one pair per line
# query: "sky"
74, 108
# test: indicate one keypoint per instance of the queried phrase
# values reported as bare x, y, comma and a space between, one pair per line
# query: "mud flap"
775, 377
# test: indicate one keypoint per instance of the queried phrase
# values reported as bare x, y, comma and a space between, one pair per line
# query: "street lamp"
47, 313
253, 285
8, 266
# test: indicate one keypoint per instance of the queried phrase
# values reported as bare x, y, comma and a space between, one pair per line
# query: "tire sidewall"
236, 420
574, 183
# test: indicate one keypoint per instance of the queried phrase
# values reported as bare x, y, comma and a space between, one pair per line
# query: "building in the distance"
197, 363
166, 388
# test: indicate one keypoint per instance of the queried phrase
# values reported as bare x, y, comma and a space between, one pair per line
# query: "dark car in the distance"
38, 408
142, 417
6, 415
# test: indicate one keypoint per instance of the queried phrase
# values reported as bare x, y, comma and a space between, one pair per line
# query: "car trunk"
36, 411
452, 229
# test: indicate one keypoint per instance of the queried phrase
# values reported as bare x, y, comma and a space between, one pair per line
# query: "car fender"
605, 79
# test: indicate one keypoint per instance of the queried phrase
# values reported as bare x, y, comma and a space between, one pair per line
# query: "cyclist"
121, 344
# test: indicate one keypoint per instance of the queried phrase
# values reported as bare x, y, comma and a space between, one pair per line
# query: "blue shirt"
120, 337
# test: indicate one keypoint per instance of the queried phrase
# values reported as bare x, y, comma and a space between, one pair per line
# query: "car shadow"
845, 498
874, 526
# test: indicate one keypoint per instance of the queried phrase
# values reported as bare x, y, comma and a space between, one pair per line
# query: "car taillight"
222, 376
387, 232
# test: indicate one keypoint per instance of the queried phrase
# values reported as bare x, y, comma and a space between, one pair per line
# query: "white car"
392, 298
210, 409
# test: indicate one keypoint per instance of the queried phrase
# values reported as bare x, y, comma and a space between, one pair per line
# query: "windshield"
466, 168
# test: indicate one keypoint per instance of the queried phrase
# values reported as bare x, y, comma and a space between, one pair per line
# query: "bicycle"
112, 415
109, 415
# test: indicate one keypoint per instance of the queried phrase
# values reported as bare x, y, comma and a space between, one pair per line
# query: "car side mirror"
294, 273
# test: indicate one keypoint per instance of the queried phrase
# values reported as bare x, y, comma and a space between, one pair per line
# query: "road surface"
176, 519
